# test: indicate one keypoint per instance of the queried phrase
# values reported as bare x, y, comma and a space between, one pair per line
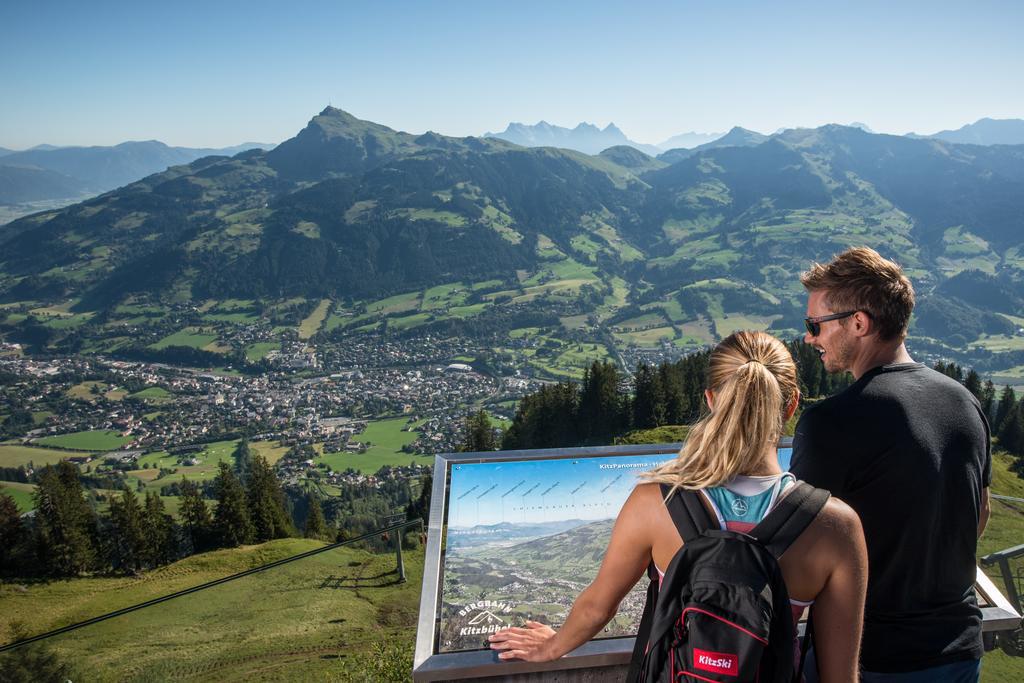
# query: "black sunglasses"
813, 325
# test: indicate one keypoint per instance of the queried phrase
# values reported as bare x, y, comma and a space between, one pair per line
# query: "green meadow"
20, 492
312, 323
186, 337
309, 615
92, 440
15, 455
386, 438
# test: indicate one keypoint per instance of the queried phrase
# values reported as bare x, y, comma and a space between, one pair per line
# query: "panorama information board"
516, 536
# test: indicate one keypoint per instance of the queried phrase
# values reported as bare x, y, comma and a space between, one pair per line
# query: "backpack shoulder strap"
688, 513
790, 516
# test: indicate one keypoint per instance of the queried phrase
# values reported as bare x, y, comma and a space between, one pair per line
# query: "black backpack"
722, 612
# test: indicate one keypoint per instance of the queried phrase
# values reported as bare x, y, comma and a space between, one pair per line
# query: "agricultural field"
20, 492
997, 343
84, 391
312, 323
14, 455
733, 322
259, 350
386, 438
309, 615
155, 395
646, 338
93, 440
187, 337
209, 459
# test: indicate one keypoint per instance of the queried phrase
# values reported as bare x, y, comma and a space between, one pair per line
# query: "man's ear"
862, 325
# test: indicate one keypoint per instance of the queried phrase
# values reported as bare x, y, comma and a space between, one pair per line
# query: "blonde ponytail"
753, 379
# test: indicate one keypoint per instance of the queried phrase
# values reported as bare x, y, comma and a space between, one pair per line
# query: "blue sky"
222, 72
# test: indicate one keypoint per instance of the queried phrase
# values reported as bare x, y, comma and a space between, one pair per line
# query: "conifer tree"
600, 415
478, 433
421, 506
988, 399
972, 382
13, 535
195, 518
231, 522
677, 405
242, 456
1011, 431
65, 527
649, 409
127, 535
266, 503
161, 542
1007, 405
315, 525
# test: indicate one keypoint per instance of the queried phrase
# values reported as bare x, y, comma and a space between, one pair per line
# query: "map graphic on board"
524, 538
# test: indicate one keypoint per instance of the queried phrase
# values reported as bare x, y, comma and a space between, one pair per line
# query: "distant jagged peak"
585, 137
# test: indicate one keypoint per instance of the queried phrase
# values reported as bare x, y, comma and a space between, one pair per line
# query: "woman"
730, 455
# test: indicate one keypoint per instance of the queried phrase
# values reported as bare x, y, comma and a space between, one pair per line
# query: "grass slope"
309, 616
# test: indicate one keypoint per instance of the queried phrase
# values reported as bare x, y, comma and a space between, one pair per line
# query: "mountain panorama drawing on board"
620, 248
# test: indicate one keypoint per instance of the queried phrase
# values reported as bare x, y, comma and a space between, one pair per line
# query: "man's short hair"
859, 279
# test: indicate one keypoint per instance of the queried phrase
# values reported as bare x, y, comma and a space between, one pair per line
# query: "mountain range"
585, 137
986, 132
46, 172
590, 139
692, 247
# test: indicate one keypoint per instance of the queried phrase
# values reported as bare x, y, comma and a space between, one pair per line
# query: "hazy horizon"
196, 75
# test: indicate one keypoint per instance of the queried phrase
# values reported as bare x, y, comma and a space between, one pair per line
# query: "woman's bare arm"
839, 608
627, 556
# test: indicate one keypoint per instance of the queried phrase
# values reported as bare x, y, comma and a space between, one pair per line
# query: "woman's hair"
753, 378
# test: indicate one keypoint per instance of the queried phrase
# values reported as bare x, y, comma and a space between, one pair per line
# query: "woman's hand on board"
528, 643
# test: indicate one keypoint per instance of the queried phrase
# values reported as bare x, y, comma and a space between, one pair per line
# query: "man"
908, 449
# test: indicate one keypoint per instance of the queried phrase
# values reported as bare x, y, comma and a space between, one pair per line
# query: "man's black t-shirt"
908, 449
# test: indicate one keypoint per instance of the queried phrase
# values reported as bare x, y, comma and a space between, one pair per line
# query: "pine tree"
677, 405
266, 503
421, 506
988, 399
127, 535
231, 520
13, 535
649, 401
161, 546
1011, 431
65, 527
1007, 405
195, 518
600, 415
972, 382
478, 433
315, 525
242, 456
